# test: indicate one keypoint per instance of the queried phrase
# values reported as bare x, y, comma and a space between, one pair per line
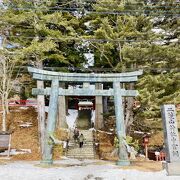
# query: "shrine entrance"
85, 107
54, 91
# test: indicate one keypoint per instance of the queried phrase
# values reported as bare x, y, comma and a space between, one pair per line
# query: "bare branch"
102, 53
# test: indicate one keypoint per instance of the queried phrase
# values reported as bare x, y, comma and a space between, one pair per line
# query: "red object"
145, 139
162, 156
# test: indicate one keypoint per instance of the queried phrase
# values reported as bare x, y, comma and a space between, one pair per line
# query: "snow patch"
71, 169
93, 116
71, 118
15, 152
104, 132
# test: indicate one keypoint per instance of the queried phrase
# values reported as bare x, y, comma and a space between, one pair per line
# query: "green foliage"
140, 35
131, 142
40, 34
116, 142
123, 34
146, 38
156, 90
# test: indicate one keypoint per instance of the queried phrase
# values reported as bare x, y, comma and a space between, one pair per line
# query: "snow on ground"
69, 169
73, 114
93, 116
71, 118
15, 152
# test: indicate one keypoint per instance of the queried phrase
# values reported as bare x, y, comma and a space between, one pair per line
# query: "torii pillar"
120, 127
51, 123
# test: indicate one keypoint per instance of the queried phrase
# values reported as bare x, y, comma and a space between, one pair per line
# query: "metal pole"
120, 127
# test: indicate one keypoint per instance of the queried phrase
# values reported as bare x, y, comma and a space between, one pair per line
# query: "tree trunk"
3, 114
4, 89
6, 103
129, 115
129, 109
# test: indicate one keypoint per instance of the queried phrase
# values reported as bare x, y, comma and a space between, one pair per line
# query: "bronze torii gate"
55, 91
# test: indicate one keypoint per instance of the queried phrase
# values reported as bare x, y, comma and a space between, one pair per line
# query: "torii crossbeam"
55, 91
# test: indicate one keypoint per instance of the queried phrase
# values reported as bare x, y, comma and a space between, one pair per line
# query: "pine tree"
44, 32
121, 30
162, 87
128, 40
41, 34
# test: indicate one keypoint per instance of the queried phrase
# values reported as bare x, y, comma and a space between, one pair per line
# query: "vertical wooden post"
99, 123
41, 116
61, 119
61, 115
105, 104
51, 124
146, 151
120, 127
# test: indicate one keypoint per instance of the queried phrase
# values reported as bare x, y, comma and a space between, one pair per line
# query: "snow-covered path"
76, 170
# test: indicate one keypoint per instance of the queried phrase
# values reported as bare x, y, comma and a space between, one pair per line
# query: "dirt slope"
24, 137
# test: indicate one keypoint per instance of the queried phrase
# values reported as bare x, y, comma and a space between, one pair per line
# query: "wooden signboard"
5, 141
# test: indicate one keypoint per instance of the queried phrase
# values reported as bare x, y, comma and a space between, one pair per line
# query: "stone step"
86, 137
79, 157
86, 140
77, 147
77, 142
83, 153
87, 152
79, 151
88, 143
86, 133
84, 146
82, 149
80, 154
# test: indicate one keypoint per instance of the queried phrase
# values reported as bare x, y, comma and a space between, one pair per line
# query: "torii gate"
55, 91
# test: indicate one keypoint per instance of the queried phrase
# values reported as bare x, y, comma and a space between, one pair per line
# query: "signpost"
171, 138
145, 143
